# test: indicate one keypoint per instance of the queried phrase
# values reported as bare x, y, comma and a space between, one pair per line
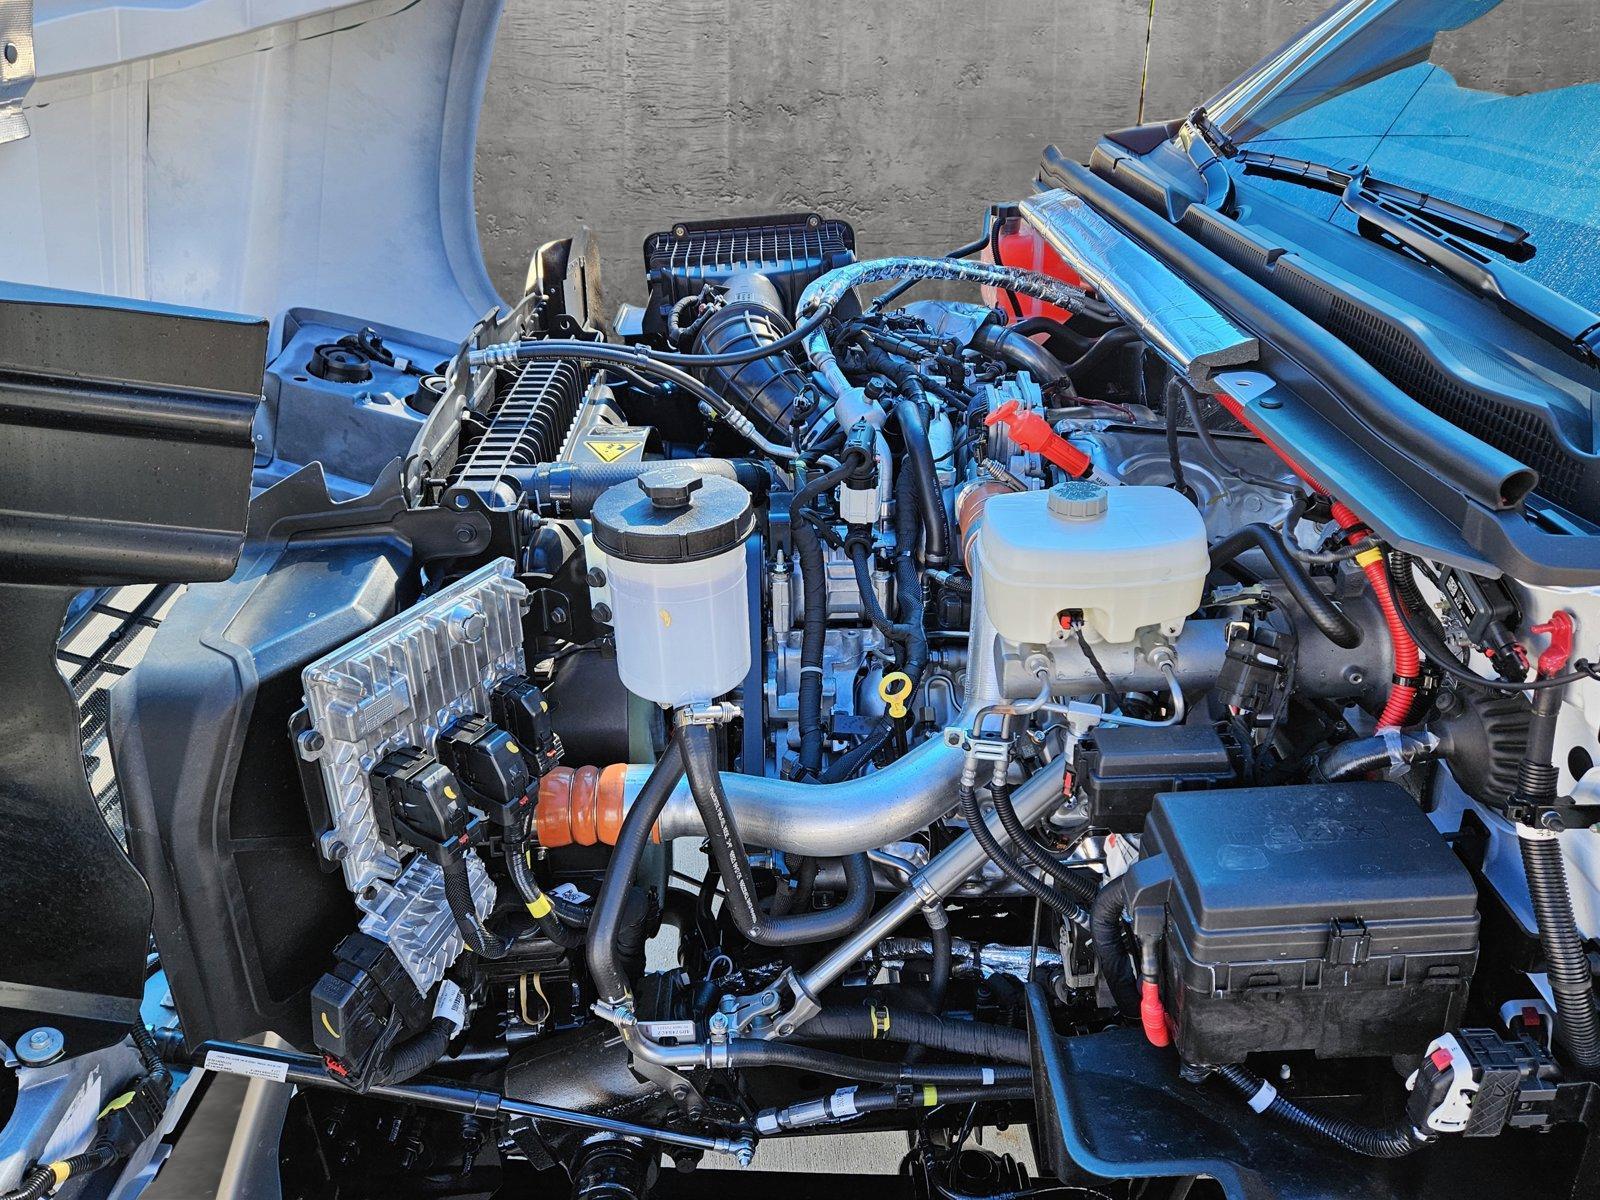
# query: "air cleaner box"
1329, 918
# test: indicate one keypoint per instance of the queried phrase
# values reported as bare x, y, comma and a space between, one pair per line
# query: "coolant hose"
570, 489
1323, 612
1407, 660
967, 805
907, 579
480, 939
1110, 949
610, 907
698, 746
1394, 1141
1013, 348
1349, 760
1103, 346
909, 415
863, 1023
744, 1053
814, 612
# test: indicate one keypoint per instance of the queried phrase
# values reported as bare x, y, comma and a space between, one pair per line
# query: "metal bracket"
17, 69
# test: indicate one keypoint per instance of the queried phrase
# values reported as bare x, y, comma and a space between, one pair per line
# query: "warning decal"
611, 451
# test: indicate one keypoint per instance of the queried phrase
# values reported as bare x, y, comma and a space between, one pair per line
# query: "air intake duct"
751, 315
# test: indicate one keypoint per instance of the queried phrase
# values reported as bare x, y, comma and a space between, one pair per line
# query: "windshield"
1492, 104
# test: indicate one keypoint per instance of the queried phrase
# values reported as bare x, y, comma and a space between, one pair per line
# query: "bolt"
602, 613
1271, 402
718, 1023
558, 615
596, 577
1551, 820
464, 533
41, 1046
311, 743
1354, 676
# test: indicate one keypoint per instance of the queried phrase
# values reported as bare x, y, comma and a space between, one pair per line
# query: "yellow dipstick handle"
895, 690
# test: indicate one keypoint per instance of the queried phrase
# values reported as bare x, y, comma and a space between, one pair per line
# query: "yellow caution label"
1367, 557
613, 450
930, 1097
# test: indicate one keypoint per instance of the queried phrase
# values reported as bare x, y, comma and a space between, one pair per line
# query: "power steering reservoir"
1118, 559
674, 545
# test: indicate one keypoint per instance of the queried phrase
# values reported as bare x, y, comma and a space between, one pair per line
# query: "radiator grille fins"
527, 427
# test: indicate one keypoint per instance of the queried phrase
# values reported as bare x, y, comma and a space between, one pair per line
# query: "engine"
1038, 723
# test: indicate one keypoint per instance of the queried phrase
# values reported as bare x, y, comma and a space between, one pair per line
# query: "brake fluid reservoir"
675, 561
1123, 557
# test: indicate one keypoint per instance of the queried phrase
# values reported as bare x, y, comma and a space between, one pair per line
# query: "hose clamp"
708, 714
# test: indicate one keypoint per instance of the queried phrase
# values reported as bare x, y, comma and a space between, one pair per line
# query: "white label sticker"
668, 1031
243, 1064
451, 1005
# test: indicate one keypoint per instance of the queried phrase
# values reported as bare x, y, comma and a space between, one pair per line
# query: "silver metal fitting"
708, 713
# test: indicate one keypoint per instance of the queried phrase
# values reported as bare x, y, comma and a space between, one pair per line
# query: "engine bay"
786, 706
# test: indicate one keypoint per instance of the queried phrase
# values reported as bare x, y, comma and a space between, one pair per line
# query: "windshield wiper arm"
1578, 327
1479, 227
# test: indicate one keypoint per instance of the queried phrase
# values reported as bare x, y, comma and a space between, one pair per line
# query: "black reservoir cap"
672, 515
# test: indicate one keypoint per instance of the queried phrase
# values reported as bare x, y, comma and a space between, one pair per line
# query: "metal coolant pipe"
829, 820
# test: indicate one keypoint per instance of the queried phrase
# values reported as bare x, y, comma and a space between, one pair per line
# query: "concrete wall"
902, 118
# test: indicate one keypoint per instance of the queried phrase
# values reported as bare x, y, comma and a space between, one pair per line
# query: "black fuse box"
1121, 769
1330, 918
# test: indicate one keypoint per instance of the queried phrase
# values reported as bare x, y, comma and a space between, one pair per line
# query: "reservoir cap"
1078, 500
672, 514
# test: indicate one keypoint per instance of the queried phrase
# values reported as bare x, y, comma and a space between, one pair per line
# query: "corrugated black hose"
1566, 961
1394, 1141
1110, 947
540, 906
862, 1023
698, 746
967, 801
480, 939
1073, 884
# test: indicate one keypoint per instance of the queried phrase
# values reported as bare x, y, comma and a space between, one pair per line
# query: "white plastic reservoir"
675, 561
1123, 557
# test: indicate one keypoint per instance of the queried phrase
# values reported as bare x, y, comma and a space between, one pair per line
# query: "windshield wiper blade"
1578, 327
1504, 237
